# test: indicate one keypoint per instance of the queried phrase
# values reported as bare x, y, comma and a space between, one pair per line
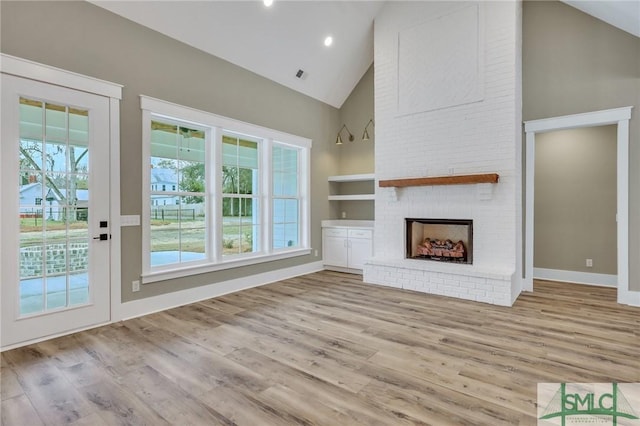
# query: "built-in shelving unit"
366, 177
347, 243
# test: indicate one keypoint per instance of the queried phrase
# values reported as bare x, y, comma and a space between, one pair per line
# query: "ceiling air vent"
299, 73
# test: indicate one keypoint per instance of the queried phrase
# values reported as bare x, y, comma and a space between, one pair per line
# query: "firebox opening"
441, 240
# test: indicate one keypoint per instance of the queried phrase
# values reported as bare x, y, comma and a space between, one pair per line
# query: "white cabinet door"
334, 247
360, 247
347, 248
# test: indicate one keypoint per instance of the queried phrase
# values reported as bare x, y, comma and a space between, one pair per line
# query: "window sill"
186, 271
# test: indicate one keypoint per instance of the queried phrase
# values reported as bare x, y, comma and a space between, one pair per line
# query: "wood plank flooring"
326, 349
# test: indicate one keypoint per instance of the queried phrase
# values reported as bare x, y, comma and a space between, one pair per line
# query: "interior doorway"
620, 118
575, 206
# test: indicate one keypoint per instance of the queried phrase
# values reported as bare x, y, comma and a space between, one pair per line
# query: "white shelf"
353, 197
352, 178
364, 177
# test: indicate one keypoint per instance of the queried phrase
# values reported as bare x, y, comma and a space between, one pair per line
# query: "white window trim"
47, 74
215, 262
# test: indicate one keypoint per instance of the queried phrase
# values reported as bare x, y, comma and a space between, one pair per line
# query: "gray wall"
574, 63
356, 157
84, 38
575, 200
357, 110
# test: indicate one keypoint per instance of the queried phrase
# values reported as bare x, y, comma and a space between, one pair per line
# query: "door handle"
102, 237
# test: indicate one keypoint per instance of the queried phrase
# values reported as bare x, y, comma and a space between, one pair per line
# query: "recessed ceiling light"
267, 3
328, 41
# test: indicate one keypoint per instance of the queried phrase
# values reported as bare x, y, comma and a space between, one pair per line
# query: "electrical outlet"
135, 286
316, 253
589, 263
344, 215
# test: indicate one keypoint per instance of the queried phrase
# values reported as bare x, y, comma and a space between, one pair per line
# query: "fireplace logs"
439, 248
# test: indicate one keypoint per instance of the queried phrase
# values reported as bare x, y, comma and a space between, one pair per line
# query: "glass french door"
55, 210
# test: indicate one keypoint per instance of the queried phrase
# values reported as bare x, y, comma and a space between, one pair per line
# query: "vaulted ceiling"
278, 41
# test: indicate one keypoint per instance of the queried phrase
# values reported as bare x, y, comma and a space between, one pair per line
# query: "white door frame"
618, 116
19, 67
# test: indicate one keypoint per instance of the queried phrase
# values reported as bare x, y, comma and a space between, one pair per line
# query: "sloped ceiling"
275, 42
623, 14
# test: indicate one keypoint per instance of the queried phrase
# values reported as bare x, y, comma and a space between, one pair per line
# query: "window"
238, 192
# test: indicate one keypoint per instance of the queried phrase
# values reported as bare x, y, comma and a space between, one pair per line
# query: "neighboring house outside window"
31, 195
239, 192
161, 176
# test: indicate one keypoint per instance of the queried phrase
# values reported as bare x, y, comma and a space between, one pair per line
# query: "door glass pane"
54, 203
56, 273
30, 156
31, 296
31, 118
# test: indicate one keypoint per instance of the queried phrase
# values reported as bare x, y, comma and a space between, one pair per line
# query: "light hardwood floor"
325, 349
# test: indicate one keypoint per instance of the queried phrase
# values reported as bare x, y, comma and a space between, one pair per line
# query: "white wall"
448, 100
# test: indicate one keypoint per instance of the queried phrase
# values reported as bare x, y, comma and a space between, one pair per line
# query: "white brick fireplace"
448, 102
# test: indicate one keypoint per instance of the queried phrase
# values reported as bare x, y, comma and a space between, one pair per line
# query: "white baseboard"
625, 296
588, 278
137, 308
628, 297
341, 269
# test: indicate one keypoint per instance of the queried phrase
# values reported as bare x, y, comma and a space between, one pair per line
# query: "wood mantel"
440, 180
